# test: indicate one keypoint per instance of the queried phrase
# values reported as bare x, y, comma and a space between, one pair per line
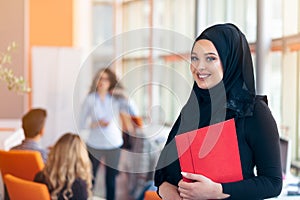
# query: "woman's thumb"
191, 176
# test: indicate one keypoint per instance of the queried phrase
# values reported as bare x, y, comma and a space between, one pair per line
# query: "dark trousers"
111, 159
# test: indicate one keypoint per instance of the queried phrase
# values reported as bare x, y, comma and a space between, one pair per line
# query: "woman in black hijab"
224, 88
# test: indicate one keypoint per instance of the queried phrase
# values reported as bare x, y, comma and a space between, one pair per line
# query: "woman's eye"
194, 58
210, 59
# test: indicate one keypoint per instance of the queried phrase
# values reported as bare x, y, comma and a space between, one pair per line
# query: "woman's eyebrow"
206, 54
210, 53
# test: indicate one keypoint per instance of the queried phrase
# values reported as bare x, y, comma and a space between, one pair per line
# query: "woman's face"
104, 82
206, 66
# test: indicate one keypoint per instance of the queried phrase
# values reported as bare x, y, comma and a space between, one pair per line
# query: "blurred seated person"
33, 123
68, 170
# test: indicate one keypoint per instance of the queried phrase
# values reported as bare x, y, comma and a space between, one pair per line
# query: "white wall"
54, 73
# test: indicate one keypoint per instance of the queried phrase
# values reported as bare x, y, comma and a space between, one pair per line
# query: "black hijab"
233, 97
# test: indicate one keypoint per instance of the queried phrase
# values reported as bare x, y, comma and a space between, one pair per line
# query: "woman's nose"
199, 66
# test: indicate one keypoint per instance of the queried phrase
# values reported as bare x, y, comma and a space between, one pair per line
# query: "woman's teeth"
203, 75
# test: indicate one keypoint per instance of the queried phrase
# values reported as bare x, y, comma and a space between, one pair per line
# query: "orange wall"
50, 22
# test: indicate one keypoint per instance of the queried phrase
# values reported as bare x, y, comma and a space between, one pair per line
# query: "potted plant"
13, 82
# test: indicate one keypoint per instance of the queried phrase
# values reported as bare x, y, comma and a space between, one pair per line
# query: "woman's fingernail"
183, 173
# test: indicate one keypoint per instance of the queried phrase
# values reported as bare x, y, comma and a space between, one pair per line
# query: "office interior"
62, 43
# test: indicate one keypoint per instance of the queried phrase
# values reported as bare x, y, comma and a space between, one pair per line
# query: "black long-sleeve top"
78, 188
258, 141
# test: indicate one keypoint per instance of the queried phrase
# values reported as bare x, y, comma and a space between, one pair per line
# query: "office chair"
19, 188
21, 163
151, 195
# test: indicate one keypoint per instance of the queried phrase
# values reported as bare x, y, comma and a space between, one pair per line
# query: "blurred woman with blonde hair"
68, 171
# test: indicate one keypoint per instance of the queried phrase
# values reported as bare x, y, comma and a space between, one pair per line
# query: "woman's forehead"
204, 46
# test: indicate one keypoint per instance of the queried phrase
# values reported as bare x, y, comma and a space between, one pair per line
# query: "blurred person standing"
100, 114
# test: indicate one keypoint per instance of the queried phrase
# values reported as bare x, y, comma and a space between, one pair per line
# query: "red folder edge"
222, 162
185, 154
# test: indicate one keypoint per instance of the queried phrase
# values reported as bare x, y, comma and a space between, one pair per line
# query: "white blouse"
95, 109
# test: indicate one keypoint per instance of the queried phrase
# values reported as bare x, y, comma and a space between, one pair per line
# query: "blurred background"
62, 43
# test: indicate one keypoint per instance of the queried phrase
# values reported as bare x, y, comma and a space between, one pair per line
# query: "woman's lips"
202, 76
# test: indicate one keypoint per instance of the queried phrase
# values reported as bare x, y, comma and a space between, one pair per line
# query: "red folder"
211, 151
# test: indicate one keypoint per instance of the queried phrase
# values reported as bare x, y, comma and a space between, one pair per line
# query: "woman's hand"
202, 188
168, 191
100, 123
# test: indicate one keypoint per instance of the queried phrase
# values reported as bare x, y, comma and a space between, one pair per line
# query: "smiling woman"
224, 89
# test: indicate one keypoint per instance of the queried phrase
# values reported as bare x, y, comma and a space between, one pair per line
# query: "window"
151, 74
